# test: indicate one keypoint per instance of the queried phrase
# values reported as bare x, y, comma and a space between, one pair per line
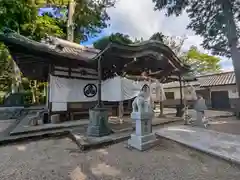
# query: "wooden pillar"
185, 118
50, 71
181, 93
151, 100
99, 104
180, 106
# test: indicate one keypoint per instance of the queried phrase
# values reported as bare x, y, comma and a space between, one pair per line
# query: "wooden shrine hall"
57, 60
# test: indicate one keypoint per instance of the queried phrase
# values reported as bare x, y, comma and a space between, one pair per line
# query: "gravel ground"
59, 159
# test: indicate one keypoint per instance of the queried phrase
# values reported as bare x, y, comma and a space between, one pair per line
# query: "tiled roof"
52, 45
70, 48
225, 78
176, 84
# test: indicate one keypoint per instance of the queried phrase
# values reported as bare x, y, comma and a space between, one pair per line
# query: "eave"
133, 59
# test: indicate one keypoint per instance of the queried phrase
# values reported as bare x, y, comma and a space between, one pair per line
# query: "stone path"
223, 145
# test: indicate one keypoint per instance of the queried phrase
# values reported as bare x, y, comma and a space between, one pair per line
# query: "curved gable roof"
117, 59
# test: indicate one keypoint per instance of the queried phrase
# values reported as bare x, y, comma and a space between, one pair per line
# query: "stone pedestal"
98, 122
143, 138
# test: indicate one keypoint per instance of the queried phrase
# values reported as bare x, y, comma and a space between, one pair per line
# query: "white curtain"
71, 90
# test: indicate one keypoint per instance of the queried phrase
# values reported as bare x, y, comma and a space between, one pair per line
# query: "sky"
138, 19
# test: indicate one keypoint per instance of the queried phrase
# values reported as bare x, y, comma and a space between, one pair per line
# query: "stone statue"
141, 103
142, 114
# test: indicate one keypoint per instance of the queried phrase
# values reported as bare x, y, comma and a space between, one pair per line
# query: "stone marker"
142, 113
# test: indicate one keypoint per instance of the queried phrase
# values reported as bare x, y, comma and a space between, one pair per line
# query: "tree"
44, 25
158, 37
174, 43
216, 21
15, 13
23, 18
6, 69
117, 38
201, 63
87, 18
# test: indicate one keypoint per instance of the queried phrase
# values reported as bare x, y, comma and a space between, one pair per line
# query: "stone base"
142, 143
98, 123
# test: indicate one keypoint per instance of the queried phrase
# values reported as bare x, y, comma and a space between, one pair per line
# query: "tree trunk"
70, 24
231, 34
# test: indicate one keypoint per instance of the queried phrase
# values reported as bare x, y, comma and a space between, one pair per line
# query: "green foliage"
15, 13
89, 18
44, 25
209, 19
201, 62
22, 16
117, 38
158, 37
6, 70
